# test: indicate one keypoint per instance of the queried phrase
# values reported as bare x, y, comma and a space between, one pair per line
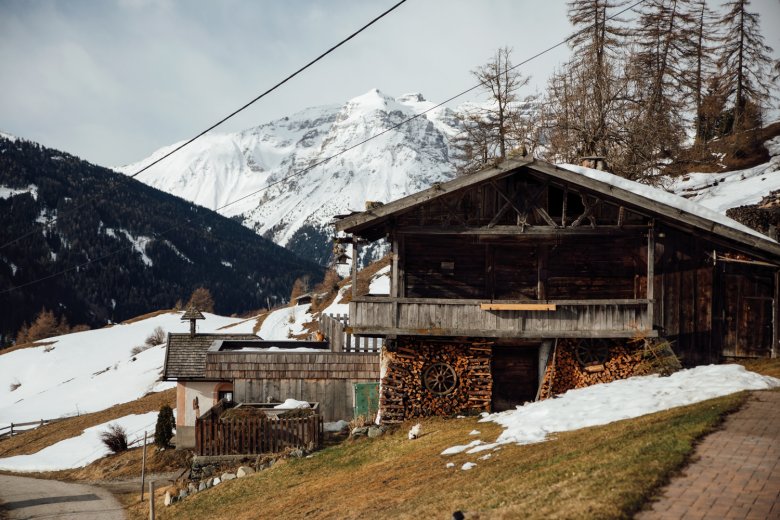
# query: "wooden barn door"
515, 376
747, 310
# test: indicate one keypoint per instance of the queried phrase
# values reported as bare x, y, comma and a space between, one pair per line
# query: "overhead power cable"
331, 157
235, 112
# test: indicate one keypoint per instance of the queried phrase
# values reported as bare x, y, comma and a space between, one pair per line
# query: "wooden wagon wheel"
440, 378
591, 352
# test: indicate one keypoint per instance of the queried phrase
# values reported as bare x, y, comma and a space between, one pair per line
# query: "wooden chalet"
505, 282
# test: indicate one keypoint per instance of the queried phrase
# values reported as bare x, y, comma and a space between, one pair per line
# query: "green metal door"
366, 399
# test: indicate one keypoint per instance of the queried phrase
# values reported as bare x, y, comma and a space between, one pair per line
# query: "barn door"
515, 376
747, 310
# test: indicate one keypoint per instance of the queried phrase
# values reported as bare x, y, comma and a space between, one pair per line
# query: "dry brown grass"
35, 440
602, 472
767, 367
31, 344
149, 315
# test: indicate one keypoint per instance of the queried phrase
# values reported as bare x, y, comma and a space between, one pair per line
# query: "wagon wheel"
440, 378
592, 352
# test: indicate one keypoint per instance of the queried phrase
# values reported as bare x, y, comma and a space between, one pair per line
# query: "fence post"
143, 469
151, 500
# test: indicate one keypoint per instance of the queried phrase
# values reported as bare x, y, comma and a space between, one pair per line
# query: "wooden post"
143, 469
151, 500
650, 274
355, 252
775, 321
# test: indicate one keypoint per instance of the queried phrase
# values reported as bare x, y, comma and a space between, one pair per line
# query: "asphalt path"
32, 498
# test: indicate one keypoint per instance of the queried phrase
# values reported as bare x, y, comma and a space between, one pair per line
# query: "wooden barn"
526, 279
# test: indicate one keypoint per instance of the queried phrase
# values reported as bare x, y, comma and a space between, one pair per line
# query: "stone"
167, 499
191, 488
244, 471
297, 453
357, 432
202, 485
228, 476
182, 493
374, 432
208, 470
215, 481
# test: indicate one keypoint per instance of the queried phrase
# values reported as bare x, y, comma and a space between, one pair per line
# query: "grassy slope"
601, 472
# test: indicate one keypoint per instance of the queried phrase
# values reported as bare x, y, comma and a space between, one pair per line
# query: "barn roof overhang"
686, 216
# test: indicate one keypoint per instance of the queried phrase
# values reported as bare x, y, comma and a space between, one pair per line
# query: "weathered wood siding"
442, 317
326, 378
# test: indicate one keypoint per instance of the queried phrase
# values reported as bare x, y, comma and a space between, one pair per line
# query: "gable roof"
633, 195
192, 313
185, 355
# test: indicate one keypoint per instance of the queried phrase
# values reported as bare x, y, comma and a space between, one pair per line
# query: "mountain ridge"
294, 208
154, 248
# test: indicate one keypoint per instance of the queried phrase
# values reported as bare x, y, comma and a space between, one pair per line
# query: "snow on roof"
664, 197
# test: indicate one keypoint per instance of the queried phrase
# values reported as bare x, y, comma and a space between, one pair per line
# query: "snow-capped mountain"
298, 194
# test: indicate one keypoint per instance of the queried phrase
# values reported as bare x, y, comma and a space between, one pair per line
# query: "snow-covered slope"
221, 168
92, 370
722, 191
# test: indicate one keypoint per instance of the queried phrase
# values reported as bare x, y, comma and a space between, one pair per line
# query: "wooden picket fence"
255, 435
334, 326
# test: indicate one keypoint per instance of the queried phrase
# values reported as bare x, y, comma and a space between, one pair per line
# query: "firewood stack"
565, 372
403, 392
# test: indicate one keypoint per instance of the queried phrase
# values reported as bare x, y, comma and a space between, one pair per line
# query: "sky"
113, 80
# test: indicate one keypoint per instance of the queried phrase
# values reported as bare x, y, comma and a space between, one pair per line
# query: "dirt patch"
149, 315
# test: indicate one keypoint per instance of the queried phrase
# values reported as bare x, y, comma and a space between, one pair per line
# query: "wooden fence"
255, 435
334, 327
17, 428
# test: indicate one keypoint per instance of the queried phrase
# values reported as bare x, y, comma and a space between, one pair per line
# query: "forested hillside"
126, 248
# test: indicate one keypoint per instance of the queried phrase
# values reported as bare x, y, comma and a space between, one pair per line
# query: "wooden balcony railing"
380, 315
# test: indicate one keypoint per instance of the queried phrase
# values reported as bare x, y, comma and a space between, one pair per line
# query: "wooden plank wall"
326, 377
336, 396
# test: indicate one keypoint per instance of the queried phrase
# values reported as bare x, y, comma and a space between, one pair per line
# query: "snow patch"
292, 404
7, 192
625, 399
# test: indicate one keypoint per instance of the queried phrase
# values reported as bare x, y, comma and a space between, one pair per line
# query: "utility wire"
235, 112
331, 157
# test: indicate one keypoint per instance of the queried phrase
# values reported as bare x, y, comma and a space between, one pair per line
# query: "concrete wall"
206, 393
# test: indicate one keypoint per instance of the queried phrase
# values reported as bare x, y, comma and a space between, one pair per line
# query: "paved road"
736, 470
30, 498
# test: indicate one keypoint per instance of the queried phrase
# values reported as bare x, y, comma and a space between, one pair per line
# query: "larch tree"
201, 299
491, 130
744, 63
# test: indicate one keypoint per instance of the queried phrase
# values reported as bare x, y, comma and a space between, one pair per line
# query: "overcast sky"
113, 80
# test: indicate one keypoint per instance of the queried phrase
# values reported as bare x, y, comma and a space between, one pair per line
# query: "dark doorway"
515, 376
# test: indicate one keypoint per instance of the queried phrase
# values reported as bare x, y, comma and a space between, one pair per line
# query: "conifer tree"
744, 63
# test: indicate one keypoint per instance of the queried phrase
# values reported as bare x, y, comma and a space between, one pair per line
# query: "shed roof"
639, 197
185, 354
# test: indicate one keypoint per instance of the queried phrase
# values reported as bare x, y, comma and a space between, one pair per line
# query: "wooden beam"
641, 204
518, 306
493, 333
536, 231
464, 301
650, 274
365, 219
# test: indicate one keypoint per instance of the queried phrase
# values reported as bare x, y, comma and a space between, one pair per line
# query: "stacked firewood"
404, 393
565, 371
